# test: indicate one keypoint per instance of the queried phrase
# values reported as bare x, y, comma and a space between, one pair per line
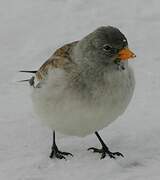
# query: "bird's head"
106, 45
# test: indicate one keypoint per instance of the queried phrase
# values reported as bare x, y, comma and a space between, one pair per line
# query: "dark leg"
104, 150
55, 153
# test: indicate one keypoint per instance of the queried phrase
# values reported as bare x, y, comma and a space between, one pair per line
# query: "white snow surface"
30, 31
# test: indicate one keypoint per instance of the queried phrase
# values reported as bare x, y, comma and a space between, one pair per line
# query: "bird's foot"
55, 153
104, 151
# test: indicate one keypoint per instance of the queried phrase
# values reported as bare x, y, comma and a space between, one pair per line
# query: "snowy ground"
30, 31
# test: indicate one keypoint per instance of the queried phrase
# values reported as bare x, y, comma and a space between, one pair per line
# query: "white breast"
65, 111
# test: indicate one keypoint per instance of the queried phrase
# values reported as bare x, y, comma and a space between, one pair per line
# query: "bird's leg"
104, 150
55, 153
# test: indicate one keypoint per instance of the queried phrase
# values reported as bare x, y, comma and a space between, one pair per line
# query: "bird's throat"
119, 65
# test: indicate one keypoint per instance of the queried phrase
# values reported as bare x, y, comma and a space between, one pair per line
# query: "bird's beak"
126, 54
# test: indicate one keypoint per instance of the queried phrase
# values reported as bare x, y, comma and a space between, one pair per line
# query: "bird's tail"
34, 72
31, 80
24, 80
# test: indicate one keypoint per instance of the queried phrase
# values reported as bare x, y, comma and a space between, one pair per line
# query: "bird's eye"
107, 48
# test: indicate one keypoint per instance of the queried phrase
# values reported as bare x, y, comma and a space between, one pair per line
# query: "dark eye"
107, 48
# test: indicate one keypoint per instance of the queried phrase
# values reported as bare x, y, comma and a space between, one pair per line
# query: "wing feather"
59, 59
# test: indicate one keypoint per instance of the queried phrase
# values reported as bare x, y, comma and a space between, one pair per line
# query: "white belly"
65, 111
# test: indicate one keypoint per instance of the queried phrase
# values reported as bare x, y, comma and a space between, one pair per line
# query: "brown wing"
59, 59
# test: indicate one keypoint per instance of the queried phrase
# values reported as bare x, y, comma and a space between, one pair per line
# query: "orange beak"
126, 54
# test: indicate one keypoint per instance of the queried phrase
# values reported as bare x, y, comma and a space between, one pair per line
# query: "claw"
104, 151
118, 154
95, 150
59, 155
91, 148
67, 154
111, 155
56, 153
103, 155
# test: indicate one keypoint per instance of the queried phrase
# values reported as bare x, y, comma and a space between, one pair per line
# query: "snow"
30, 32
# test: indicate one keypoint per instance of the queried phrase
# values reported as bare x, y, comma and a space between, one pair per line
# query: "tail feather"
24, 80
31, 81
28, 71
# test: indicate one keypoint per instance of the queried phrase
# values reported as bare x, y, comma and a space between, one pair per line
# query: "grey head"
103, 46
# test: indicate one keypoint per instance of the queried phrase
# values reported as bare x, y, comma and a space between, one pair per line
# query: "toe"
114, 154
67, 154
118, 154
111, 155
95, 150
103, 155
60, 156
91, 148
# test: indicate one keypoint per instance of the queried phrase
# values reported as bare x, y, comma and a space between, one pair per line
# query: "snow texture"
30, 31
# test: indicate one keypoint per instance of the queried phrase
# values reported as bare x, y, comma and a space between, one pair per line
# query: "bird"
84, 86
